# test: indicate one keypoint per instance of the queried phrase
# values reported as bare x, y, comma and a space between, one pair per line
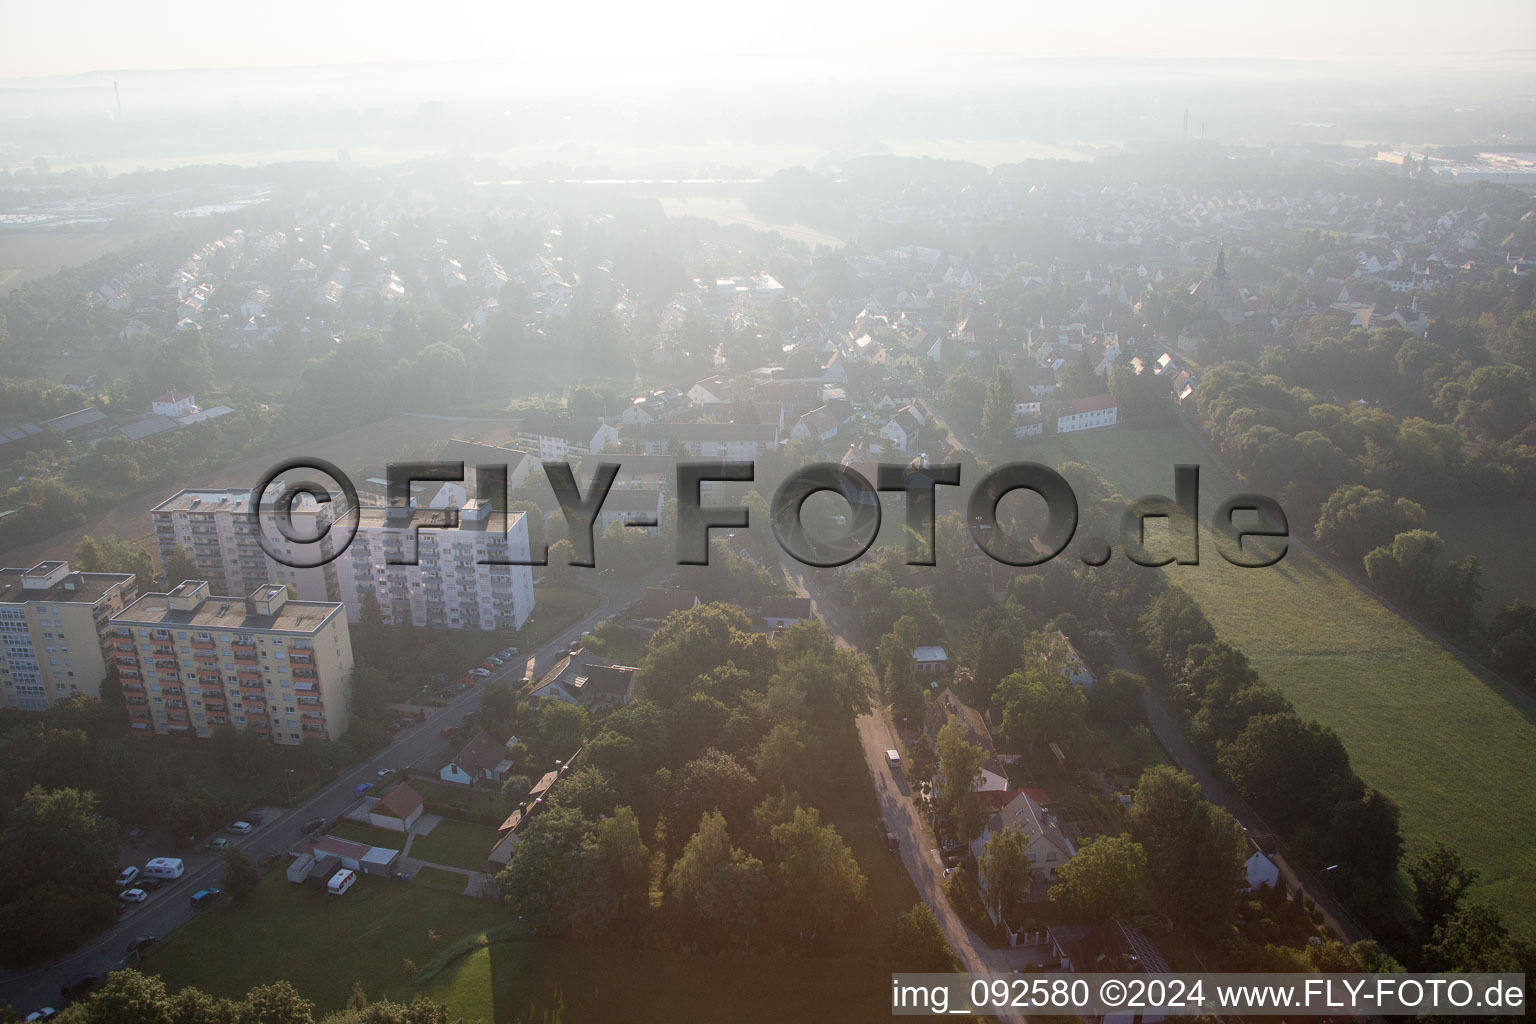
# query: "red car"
268, 859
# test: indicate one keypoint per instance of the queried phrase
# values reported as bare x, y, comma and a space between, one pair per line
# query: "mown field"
1418, 725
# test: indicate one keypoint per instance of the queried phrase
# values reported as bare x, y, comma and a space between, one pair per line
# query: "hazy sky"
70, 36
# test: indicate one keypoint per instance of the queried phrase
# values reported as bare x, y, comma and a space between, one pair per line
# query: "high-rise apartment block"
218, 528
455, 583
190, 660
53, 623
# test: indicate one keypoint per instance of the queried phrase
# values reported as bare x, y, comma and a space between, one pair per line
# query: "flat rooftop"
89, 587
378, 517
228, 613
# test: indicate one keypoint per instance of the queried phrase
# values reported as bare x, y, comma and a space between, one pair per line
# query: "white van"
164, 867
893, 760
341, 881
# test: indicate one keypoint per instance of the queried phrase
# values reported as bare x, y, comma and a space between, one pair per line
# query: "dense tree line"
1359, 475
694, 809
129, 997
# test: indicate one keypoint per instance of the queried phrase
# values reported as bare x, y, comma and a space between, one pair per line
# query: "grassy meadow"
1454, 753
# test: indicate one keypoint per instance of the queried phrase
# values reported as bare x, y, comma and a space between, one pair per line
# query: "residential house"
557, 437
1260, 869
930, 660
604, 686
743, 442
1047, 845
398, 810
172, 403
1087, 414
902, 430
1072, 664
657, 405
783, 612
482, 759
992, 781
820, 424
659, 602
1113, 947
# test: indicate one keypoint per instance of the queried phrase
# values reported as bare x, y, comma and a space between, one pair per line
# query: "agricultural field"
29, 255
1418, 725
375, 444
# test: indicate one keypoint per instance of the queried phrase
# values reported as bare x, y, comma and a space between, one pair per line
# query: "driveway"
169, 908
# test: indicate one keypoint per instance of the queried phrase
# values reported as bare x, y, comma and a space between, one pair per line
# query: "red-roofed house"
398, 810
1087, 414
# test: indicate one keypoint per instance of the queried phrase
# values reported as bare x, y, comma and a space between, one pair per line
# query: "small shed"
381, 861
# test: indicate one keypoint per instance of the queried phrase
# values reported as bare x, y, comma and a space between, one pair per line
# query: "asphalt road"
169, 907
919, 853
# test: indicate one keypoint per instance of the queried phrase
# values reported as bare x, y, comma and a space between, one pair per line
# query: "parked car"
218, 845
45, 1013
133, 895
140, 944
268, 859
362, 788
495, 661
239, 828
448, 730
135, 836
385, 773
892, 844
203, 897
128, 877
148, 883
480, 671
255, 818
77, 985
313, 825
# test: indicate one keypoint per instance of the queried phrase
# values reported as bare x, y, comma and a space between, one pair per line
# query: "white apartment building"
53, 624
451, 586
1087, 414
219, 529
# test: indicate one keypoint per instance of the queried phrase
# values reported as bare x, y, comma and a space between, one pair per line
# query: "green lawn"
359, 833
438, 878
319, 942
458, 844
1418, 725
562, 980
460, 801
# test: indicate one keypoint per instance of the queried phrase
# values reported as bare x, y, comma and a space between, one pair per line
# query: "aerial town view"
680, 514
